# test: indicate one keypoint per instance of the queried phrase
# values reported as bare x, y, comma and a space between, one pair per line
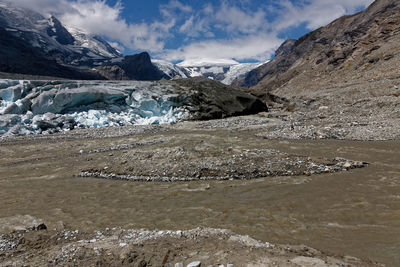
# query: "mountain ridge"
359, 46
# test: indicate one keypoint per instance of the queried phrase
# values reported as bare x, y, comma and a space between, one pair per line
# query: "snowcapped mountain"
52, 39
169, 69
224, 71
239, 70
97, 45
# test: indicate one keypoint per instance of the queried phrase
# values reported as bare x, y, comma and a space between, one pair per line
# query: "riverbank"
117, 247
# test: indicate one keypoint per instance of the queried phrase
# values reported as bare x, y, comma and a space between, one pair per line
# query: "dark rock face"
136, 67
20, 57
213, 100
61, 34
113, 72
350, 46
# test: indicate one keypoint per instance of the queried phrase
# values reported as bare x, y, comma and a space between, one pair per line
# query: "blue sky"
177, 30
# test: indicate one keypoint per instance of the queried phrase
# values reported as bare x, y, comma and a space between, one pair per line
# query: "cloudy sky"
178, 30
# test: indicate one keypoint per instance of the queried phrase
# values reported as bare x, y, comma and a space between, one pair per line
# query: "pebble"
179, 264
347, 165
194, 264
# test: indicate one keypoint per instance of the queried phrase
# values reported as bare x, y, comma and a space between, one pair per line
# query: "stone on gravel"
179, 264
347, 165
194, 264
308, 261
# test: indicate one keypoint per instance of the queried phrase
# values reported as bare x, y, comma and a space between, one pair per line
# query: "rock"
45, 125
142, 263
308, 261
229, 265
135, 67
194, 264
57, 31
179, 264
213, 100
41, 226
358, 164
347, 165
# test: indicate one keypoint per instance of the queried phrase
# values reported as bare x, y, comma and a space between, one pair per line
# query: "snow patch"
207, 62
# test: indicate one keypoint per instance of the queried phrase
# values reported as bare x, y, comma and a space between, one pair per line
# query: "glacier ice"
35, 107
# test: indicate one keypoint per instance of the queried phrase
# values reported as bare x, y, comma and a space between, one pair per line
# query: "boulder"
210, 99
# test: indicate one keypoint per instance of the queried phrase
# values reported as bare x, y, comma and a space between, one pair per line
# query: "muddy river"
356, 212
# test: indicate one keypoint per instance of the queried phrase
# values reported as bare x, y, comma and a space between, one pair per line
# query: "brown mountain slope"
363, 46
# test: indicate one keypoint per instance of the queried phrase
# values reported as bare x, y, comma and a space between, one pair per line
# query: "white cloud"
257, 47
314, 13
233, 19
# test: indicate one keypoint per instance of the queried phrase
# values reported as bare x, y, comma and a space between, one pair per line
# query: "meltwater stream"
353, 213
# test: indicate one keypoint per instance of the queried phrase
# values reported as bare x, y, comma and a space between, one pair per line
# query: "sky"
192, 30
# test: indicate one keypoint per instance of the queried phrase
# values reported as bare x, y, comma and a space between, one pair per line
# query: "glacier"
44, 107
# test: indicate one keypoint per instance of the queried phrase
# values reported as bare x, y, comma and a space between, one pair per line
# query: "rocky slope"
359, 47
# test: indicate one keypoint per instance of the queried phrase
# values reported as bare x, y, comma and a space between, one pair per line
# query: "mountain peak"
59, 32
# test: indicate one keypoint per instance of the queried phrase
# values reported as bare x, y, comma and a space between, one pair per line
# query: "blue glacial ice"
40, 107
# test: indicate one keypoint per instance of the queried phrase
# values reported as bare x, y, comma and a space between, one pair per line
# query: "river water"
353, 213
